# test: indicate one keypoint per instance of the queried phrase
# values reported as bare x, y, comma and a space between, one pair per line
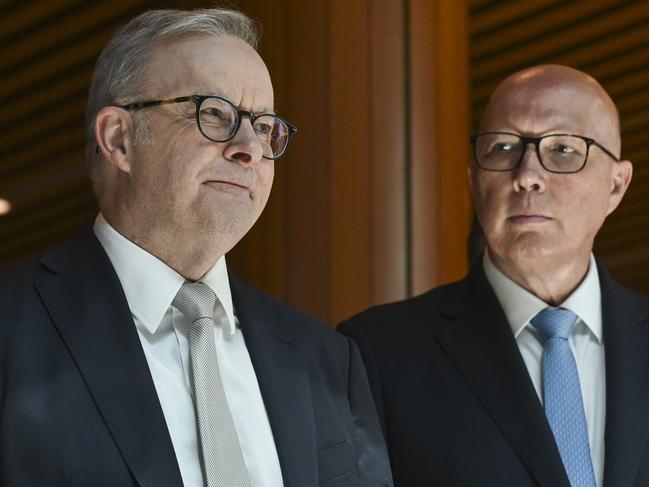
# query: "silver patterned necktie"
221, 457
562, 398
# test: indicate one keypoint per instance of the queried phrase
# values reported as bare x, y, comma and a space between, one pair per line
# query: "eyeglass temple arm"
606, 151
154, 103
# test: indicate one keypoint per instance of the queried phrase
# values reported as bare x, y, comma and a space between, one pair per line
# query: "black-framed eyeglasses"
219, 120
557, 153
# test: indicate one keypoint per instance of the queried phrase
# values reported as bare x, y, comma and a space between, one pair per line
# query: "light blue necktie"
564, 407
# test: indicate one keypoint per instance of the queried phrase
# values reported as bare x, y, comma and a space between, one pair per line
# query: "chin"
225, 230
533, 256
522, 248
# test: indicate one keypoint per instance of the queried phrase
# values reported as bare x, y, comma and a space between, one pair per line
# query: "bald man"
534, 369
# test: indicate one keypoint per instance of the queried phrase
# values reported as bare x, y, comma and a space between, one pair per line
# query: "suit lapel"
85, 300
282, 373
625, 316
479, 341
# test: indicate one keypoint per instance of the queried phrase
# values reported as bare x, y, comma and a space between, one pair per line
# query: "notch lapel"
625, 316
479, 341
282, 373
87, 304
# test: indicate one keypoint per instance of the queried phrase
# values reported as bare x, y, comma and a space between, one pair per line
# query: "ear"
622, 173
113, 134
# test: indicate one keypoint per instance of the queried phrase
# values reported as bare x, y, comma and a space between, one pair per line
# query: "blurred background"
371, 203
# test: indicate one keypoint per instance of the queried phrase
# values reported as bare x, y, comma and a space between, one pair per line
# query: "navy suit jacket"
456, 402
78, 406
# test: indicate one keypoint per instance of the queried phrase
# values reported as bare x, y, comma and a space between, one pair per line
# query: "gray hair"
121, 68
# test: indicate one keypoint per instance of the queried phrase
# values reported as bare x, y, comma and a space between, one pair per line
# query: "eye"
266, 128
212, 112
566, 148
263, 128
497, 148
503, 147
563, 149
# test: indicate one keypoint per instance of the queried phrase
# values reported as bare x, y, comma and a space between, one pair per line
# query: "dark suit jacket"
78, 406
457, 404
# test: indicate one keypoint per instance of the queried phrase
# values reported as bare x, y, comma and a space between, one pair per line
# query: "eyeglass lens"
559, 153
218, 120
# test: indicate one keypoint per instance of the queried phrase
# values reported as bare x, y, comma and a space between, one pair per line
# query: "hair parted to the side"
120, 70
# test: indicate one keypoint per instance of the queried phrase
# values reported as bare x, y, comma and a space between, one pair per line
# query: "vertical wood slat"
388, 158
439, 131
273, 248
424, 243
453, 128
349, 160
307, 264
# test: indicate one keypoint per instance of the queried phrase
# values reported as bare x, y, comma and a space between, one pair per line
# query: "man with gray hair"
130, 355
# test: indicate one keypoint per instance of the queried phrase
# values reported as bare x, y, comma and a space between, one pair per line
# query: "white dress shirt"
150, 286
586, 342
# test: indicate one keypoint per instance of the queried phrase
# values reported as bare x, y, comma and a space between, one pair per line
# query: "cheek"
186, 166
159, 158
147, 175
265, 178
490, 198
585, 206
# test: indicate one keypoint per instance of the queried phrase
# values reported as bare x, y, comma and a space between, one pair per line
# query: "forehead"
205, 65
539, 109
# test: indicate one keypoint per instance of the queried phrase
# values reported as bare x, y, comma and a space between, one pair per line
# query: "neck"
192, 265
552, 282
192, 258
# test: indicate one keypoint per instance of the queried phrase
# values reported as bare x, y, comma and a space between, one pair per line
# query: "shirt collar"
149, 284
520, 305
217, 279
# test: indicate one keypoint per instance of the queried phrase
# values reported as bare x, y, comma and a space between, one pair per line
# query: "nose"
244, 147
529, 175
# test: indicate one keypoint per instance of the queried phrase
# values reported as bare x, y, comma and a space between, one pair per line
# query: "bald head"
545, 91
539, 221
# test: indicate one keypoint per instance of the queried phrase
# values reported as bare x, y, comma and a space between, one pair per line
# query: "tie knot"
195, 300
554, 322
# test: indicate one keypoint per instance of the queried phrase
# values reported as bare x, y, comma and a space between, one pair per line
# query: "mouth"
228, 184
528, 218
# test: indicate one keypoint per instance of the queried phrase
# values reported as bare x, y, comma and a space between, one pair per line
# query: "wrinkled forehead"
224, 66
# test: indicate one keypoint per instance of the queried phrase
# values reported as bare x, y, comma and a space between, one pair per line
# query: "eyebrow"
221, 95
266, 110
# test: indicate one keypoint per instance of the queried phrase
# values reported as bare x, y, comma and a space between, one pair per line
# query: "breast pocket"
338, 465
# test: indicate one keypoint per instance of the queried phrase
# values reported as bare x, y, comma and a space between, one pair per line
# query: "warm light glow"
5, 206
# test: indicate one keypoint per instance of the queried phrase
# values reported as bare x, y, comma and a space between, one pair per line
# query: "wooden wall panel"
343, 252
422, 128
439, 131
387, 127
350, 164
307, 268
350, 231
